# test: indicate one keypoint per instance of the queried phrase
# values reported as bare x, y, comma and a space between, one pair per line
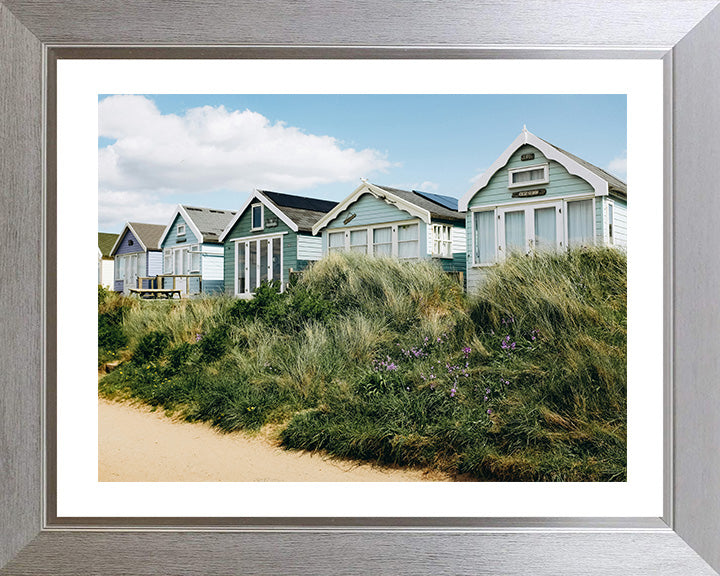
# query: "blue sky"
156, 151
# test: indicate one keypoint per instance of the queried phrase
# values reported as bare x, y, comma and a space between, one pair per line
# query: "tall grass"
389, 361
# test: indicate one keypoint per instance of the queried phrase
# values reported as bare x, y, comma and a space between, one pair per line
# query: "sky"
157, 151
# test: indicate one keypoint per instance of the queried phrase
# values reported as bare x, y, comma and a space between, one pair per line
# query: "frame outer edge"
696, 146
20, 266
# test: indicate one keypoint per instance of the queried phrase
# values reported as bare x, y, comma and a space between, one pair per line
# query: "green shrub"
151, 346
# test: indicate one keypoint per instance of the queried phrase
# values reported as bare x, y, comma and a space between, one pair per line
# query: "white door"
258, 261
527, 228
180, 267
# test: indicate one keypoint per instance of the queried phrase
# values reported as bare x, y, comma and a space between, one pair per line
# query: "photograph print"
362, 288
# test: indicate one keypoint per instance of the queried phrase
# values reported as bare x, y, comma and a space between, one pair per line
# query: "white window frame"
476, 264
168, 255
252, 216
594, 218
529, 209
610, 227
398, 242
195, 251
181, 229
442, 235
268, 239
544, 180
370, 244
373, 244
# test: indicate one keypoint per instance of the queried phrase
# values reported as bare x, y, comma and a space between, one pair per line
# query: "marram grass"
389, 361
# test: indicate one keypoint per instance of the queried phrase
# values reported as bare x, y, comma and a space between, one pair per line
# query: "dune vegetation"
387, 361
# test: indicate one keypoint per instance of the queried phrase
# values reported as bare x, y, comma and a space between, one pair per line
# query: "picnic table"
156, 292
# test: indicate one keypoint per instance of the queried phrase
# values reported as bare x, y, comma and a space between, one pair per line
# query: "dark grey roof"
106, 241
305, 212
436, 209
614, 183
148, 234
209, 221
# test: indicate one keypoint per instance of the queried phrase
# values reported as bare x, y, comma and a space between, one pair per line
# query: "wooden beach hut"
106, 263
407, 224
137, 255
270, 237
537, 196
192, 250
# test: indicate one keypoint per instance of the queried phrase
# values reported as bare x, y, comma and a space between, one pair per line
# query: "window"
336, 241
382, 241
528, 176
195, 256
442, 240
181, 230
257, 216
580, 222
611, 222
168, 262
408, 241
484, 237
358, 241
515, 231
119, 267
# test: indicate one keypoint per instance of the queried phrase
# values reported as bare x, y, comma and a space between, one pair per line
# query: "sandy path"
137, 445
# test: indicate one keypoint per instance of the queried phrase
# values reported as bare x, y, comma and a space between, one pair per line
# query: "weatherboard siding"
368, 210
242, 229
309, 247
125, 246
620, 228
561, 184
172, 236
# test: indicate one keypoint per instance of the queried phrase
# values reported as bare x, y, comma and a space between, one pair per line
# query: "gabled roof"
300, 213
206, 223
601, 181
411, 201
106, 241
615, 183
147, 234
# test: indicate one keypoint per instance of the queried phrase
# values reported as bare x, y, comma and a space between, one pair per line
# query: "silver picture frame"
685, 34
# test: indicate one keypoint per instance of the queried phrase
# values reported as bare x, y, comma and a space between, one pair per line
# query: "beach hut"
106, 269
192, 251
270, 237
537, 196
137, 255
407, 224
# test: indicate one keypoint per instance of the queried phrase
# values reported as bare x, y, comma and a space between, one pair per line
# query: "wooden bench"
155, 292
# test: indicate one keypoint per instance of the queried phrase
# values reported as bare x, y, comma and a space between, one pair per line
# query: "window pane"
408, 243
241, 267
484, 237
358, 241
264, 248
257, 217
336, 241
253, 266
545, 228
580, 222
528, 176
382, 241
276, 258
515, 231
610, 222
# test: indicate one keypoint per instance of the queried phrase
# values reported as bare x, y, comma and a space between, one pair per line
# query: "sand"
138, 445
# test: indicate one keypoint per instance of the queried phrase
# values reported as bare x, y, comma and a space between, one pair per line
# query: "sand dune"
137, 445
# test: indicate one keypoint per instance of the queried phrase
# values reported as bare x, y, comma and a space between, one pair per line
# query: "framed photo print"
364, 304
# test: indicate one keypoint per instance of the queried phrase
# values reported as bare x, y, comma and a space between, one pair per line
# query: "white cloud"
427, 186
618, 166
475, 180
116, 208
210, 149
